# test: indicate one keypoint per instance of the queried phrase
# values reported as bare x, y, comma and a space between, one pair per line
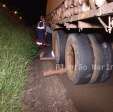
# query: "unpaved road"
58, 94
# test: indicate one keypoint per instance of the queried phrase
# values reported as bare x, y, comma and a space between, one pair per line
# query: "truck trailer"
82, 38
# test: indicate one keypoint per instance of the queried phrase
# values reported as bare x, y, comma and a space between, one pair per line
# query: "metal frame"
105, 10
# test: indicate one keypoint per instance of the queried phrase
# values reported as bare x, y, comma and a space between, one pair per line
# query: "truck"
82, 38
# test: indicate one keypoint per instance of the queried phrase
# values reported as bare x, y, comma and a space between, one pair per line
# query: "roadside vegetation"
16, 53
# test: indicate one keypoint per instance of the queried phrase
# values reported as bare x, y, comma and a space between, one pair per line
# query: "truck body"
74, 47
52, 5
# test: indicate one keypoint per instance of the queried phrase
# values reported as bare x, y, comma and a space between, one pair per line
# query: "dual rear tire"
88, 59
79, 58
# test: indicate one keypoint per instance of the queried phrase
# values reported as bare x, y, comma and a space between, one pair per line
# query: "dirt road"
58, 94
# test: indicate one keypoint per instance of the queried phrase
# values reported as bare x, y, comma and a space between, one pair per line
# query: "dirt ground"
58, 94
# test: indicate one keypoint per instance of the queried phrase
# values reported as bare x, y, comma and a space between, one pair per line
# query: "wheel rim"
71, 62
72, 58
56, 51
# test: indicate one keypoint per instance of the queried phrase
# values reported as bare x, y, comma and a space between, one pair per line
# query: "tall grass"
16, 52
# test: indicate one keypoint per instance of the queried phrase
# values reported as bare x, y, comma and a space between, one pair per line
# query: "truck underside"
87, 56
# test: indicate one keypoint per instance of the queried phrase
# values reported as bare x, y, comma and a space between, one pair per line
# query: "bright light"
20, 18
15, 12
4, 5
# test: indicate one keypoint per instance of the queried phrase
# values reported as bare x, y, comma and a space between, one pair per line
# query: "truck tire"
108, 61
60, 43
98, 57
79, 58
54, 33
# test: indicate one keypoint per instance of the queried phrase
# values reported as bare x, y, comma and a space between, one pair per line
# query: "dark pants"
49, 38
41, 35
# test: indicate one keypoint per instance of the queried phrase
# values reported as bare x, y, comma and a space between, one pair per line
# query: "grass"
16, 52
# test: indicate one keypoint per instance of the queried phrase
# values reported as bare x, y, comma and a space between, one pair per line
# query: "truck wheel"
53, 40
60, 43
79, 58
108, 59
98, 57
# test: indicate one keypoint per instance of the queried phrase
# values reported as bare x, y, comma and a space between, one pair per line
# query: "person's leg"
46, 38
43, 37
37, 36
49, 38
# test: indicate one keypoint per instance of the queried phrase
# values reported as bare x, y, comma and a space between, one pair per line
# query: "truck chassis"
81, 18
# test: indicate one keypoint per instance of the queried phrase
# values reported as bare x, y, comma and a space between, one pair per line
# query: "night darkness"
29, 9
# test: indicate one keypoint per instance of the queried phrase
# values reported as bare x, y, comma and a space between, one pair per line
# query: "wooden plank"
105, 10
82, 24
54, 72
92, 4
47, 58
86, 15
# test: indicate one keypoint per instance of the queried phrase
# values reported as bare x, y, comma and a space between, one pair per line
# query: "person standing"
41, 29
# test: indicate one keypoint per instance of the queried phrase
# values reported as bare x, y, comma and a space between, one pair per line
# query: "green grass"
16, 52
